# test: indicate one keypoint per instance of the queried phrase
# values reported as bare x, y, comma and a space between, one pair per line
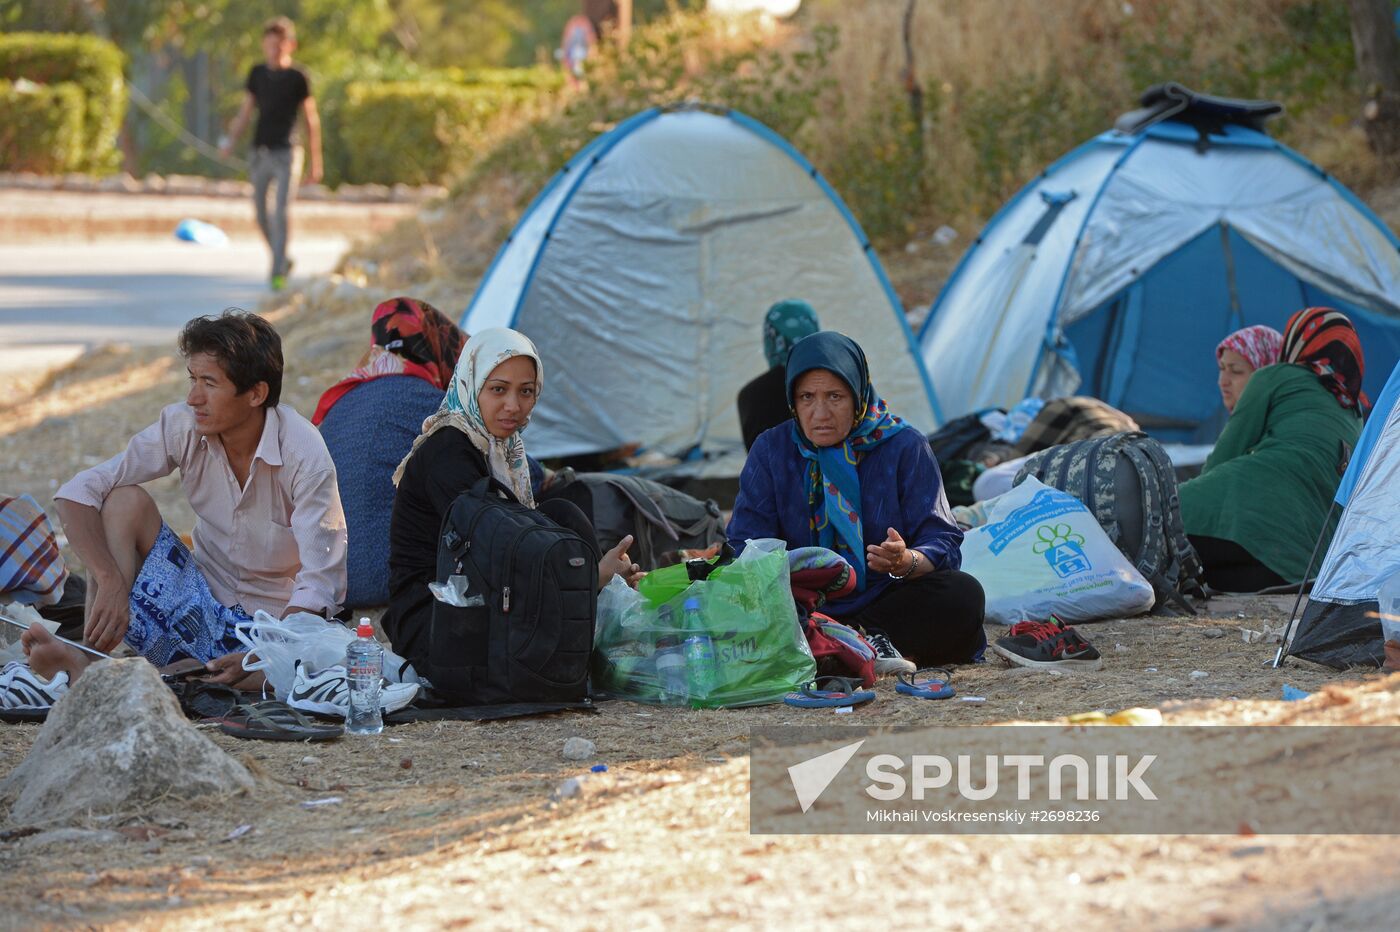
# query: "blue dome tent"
1117, 271
643, 270
1341, 626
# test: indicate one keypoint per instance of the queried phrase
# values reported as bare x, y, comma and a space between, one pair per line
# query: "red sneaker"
1047, 644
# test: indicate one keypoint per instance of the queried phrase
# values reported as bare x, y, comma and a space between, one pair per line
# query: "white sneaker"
327, 692
22, 688
887, 659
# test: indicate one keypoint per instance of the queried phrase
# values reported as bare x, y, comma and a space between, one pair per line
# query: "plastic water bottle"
670, 671
701, 672
364, 666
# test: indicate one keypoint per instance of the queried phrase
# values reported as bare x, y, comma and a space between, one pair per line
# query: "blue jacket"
369, 431
900, 488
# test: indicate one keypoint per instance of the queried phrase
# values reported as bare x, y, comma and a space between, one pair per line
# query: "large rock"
116, 741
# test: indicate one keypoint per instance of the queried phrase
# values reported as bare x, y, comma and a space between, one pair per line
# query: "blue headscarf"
833, 483
785, 323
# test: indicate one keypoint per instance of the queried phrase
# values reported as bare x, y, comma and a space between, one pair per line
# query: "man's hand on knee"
107, 623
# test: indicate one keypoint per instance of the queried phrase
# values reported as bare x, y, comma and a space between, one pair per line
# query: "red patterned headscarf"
1259, 345
408, 337
1325, 341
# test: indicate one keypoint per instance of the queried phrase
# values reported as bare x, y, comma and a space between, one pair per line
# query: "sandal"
274, 720
829, 692
927, 683
203, 700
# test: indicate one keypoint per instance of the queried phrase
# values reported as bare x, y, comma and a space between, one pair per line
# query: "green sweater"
1268, 484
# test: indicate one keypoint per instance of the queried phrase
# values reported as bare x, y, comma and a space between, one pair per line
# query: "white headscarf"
484, 352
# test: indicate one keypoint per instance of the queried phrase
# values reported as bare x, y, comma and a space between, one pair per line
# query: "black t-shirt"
444, 467
279, 93
763, 404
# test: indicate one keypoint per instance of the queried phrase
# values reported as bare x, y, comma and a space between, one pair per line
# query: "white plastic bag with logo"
1041, 552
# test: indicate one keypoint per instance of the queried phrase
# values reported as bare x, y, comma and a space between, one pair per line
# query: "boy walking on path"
279, 90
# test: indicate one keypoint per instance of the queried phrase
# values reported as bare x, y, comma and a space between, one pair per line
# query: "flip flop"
203, 700
273, 720
829, 692
926, 683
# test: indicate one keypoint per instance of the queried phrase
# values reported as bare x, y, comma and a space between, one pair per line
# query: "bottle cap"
692, 603
365, 630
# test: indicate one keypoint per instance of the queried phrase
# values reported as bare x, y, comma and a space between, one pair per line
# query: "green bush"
418, 132
95, 66
330, 90
540, 77
41, 127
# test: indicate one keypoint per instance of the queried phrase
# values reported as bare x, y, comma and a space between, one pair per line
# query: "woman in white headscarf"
475, 433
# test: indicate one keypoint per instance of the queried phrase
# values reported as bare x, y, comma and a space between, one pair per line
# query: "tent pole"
1344, 452
1293, 618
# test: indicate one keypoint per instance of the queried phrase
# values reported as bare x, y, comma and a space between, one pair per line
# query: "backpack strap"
1190, 571
1151, 550
1100, 457
484, 486
1164, 538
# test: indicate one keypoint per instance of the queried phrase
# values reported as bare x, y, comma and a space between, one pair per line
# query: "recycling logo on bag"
1063, 549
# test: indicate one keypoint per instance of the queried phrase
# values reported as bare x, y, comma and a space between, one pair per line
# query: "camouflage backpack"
1128, 484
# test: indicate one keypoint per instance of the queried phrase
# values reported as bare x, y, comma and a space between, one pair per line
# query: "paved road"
59, 298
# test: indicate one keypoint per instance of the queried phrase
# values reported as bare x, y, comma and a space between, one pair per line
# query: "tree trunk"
912, 87
624, 22
1378, 66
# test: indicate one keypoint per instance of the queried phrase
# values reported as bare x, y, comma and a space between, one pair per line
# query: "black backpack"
1127, 482
525, 631
660, 519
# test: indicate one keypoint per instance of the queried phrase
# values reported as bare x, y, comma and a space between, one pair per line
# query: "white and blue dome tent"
643, 270
1341, 624
1117, 271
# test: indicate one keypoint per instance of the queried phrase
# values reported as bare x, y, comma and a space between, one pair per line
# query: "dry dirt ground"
444, 824
450, 824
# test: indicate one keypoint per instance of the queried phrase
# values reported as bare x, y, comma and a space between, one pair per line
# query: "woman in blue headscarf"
846, 475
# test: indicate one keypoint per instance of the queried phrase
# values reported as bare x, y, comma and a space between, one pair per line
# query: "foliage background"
1006, 85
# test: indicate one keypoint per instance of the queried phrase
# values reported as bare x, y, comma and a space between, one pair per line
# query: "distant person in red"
279, 90
575, 45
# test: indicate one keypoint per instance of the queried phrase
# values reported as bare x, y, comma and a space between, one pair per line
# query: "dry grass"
1010, 85
453, 822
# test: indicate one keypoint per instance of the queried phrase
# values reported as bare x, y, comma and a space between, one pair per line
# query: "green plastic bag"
730, 640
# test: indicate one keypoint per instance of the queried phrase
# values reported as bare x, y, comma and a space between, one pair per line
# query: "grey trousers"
279, 169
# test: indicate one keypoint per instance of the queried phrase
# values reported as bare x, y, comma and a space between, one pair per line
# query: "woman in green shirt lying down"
1261, 502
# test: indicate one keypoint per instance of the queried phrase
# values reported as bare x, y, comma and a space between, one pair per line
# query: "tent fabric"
643, 270
1341, 626
1117, 271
